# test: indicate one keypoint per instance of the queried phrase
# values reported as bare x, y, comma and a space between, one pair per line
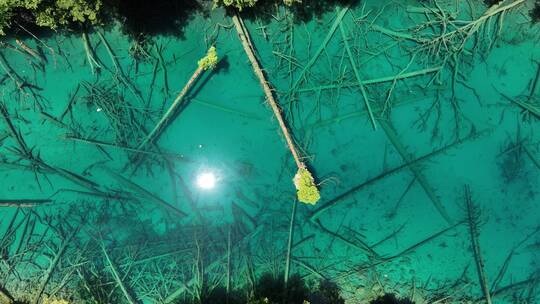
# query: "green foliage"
51, 13
5, 17
64, 12
307, 191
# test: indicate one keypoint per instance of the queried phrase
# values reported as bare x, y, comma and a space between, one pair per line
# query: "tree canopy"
49, 13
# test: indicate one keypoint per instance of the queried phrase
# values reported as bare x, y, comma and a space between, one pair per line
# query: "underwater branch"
209, 61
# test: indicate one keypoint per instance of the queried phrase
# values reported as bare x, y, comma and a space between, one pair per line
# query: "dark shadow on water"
163, 17
223, 65
170, 17
137, 17
303, 12
23, 26
315, 8
535, 12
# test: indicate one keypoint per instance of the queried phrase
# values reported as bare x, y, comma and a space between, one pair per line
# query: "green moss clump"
307, 191
210, 60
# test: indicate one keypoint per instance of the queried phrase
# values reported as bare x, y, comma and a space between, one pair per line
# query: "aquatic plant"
307, 191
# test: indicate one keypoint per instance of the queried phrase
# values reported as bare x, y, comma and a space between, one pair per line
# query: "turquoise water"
82, 210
